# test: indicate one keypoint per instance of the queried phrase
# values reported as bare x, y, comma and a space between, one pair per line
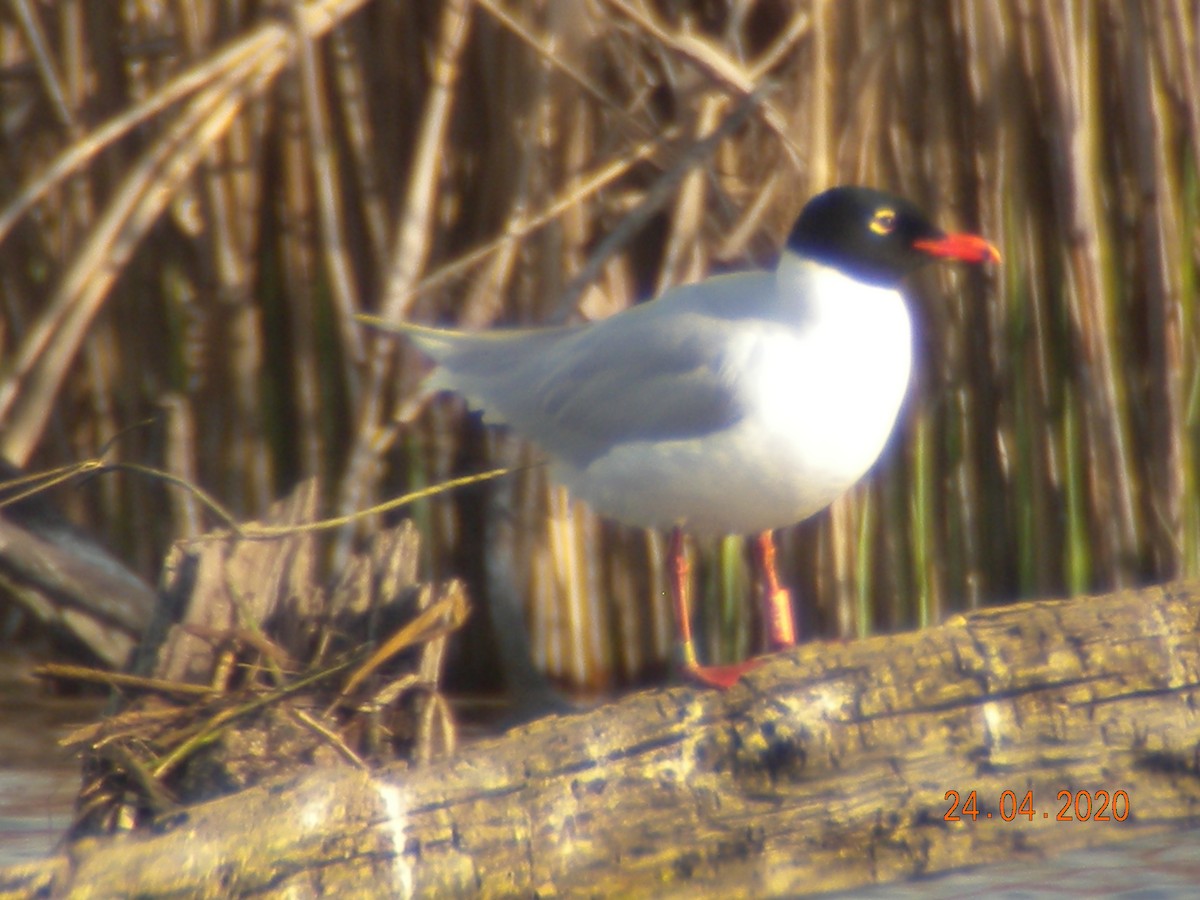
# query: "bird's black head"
877, 237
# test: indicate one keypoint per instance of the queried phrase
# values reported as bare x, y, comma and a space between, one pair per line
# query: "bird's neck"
818, 293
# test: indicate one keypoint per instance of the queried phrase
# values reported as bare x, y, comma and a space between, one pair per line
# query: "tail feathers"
481, 366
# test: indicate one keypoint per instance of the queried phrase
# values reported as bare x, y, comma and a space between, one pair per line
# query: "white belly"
821, 404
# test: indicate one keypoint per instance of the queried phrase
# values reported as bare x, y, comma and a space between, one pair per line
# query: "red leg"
720, 677
677, 560
777, 603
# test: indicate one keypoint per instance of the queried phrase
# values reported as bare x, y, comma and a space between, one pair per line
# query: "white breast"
828, 392
822, 376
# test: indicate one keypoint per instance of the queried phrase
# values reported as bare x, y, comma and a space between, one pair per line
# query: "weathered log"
67, 580
829, 767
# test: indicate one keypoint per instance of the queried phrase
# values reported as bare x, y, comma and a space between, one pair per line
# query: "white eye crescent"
884, 221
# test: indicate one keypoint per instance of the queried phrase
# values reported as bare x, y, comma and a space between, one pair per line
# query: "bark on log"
827, 768
68, 581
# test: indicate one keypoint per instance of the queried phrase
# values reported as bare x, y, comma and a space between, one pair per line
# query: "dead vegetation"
198, 195
250, 669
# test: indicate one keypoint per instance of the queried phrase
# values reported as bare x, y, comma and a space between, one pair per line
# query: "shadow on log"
829, 767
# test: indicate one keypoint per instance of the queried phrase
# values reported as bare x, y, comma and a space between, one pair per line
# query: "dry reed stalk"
195, 230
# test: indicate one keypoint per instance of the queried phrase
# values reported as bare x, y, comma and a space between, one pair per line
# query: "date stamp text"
1072, 806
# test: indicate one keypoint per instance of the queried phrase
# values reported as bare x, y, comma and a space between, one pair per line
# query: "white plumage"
739, 404
735, 405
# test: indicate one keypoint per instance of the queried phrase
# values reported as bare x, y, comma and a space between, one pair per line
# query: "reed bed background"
196, 196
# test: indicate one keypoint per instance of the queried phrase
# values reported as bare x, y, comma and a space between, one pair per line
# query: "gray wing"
578, 390
632, 384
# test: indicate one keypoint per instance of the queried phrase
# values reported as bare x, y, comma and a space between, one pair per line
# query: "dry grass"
195, 204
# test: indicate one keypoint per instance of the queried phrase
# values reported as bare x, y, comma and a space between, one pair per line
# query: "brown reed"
196, 202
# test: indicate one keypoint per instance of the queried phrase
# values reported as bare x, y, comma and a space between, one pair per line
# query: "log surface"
827, 768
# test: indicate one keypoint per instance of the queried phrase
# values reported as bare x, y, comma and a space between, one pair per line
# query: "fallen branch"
830, 767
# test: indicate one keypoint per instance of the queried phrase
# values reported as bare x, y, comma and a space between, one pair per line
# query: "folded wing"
580, 389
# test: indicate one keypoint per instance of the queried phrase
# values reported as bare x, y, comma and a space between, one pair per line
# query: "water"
38, 778
1151, 867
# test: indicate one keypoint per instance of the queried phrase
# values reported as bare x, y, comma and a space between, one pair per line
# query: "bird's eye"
884, 221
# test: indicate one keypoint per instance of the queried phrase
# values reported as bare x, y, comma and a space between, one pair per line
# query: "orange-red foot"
720, 677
